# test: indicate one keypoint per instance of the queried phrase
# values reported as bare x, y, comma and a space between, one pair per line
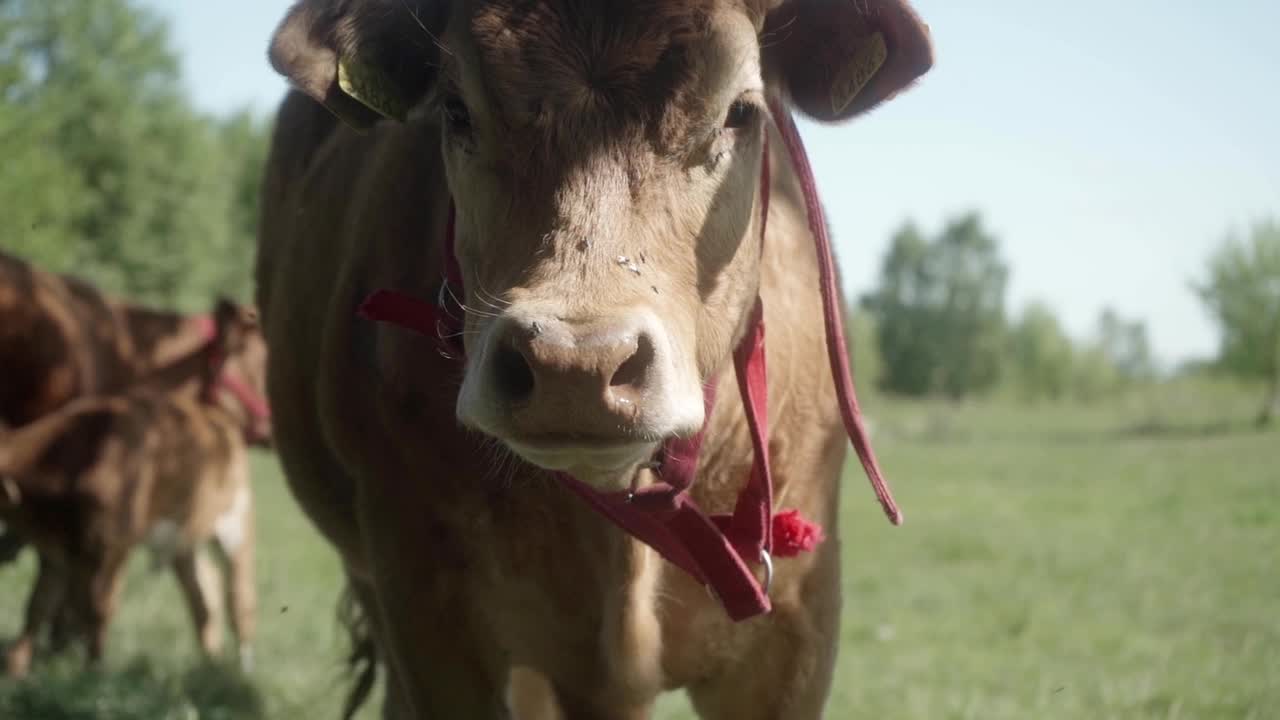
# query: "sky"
1110, 146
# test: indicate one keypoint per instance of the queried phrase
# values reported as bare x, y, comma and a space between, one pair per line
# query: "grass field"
1057, 562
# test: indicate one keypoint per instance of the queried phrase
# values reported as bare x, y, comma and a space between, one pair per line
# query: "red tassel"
792, 534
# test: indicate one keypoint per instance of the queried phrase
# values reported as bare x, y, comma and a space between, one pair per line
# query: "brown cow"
61, 338
600, 176
163, 463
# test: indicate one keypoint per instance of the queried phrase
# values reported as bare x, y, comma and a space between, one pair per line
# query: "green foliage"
1242, 294
940, 310
1041, 357
864, 357
109, 172
1125, 346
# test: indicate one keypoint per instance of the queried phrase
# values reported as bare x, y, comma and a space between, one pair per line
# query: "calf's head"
604, 158
240, 378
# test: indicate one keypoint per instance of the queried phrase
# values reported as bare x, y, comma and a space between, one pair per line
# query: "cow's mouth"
594, 458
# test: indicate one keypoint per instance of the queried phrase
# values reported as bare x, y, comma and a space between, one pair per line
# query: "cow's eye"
456, 114
740, 115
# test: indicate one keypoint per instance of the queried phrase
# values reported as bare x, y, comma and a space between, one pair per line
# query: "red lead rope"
717, 550
831, 314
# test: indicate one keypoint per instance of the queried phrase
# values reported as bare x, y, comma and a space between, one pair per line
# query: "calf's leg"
235, 539
44, 601
200, 587
98, 585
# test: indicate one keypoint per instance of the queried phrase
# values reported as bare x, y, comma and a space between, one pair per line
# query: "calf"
499, 323
61, 338
163, 463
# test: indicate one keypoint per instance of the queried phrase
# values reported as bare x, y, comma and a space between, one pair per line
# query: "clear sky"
1109, 144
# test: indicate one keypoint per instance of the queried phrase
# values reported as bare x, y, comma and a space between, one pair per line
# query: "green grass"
1057, 562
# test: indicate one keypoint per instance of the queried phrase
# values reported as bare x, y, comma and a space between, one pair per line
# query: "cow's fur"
569, 134
61, 338
162, 462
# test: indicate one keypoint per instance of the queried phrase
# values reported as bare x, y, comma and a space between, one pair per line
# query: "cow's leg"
446, 658
63, 622
786, 673
99, 587
395, 705
200, 587
45, 599
63, 627
235, 539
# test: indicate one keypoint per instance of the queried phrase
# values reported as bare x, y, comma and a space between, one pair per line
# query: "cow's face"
604, 158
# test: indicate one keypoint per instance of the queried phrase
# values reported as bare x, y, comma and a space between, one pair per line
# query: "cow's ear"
835, 59
231, 324
361, 59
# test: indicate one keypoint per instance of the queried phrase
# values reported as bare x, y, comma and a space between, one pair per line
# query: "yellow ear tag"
863, 66
371, 88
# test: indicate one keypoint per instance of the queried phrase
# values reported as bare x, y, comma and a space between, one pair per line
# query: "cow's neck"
156, 339
187, 373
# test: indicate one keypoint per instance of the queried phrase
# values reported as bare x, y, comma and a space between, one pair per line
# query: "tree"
860, 339
108, 172
244, 140
1125, 345
1242, 294
1041, 356
940, 310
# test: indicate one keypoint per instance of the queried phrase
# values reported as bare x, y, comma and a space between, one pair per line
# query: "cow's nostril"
512, 374
633, 370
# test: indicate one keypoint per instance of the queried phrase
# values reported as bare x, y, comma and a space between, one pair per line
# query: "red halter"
717, 550
251, 401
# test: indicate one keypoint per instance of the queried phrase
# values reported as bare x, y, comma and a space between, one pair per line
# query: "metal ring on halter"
768, 569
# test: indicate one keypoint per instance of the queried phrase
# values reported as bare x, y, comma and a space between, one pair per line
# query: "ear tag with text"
863, 66
371, 88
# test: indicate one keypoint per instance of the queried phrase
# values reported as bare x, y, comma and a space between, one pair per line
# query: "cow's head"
242, 379
605, 159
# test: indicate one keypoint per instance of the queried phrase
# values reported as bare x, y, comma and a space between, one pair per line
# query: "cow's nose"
596, 373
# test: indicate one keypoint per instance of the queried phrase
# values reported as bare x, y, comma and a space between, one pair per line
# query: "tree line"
111, 173
941, 325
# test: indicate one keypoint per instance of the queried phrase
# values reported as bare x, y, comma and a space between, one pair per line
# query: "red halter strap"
250, 400
717, 550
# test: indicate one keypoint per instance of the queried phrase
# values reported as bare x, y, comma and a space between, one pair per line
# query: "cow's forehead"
622, 58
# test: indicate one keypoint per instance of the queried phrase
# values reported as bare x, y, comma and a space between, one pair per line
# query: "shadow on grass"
136, 691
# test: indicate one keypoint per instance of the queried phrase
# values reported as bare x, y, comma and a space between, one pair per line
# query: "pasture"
1120, 561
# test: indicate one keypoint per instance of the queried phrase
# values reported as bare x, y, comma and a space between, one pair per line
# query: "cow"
513, 257
161, 463
62, 338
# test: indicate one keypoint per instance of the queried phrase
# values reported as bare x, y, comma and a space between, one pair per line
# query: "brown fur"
61, 338
590, 137
89, 481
